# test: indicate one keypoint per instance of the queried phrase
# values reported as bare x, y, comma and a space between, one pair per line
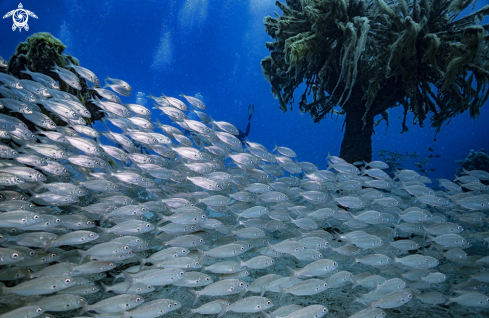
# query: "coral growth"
369, 56
476, 160
39, 53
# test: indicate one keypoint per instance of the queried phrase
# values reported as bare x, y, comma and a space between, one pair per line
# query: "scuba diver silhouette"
242, 135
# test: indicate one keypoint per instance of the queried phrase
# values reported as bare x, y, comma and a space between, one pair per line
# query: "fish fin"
48, 243
292, 272
283, 291
40, 186
113, 276
128, 278
122, 312
196, 295
161, 216
240, 261
187, 312
275, 148
223, 310
3, 289
83, 309
356, 298
83, 254
242, 293
104, 287
355, 260
26, 70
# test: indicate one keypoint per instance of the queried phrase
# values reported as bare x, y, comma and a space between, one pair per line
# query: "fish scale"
229, 210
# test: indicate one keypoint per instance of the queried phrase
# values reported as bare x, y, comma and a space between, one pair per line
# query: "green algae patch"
38, 52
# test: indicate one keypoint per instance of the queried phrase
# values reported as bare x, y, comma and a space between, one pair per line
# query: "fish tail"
106, 84
122, 312
223, 310
114, 277
102, 220
128, 278
104, 287
161, 216
355, 260
83, 309
196, 295
283, 291
26, 70
292, 272
243, 293
143, 262
240, 261
357, 299
83, 254
48, 243
188, 312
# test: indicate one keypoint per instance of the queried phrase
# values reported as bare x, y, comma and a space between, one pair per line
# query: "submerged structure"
39, 53
359, 58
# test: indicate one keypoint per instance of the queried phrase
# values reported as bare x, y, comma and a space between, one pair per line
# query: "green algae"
360, 58
39, 53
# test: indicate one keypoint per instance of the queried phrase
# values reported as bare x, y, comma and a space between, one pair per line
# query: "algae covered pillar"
359, 58
357, 138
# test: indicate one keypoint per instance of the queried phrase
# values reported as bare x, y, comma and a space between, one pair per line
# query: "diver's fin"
251, 110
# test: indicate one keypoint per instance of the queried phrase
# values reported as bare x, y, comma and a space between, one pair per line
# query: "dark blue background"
214, 47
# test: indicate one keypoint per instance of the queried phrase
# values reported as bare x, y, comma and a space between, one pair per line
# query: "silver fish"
41, 78
83, 72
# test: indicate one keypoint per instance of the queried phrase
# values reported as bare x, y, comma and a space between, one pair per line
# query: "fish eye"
207, 278
148, 225
82, 238
169, 305
126, 247
15, 255
138, 299
241, 284
409, 295
67, 281
325, 309
38, 309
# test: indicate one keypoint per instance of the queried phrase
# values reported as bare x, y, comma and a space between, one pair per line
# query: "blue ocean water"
214, 48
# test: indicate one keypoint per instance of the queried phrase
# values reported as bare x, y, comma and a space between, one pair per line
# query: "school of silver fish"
191, 221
